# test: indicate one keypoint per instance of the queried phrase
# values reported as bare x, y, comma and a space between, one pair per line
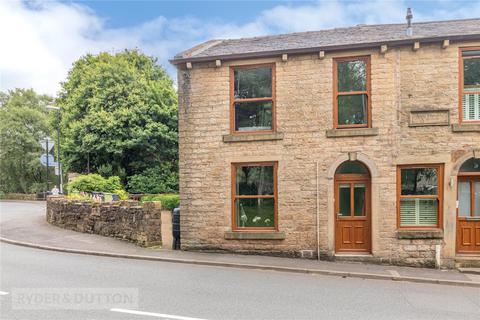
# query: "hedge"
169, 201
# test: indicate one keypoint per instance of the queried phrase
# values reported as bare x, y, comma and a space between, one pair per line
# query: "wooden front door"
468, 215
352, 213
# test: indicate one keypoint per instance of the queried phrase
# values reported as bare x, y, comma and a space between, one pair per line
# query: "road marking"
394, 273
153, 314
3, 293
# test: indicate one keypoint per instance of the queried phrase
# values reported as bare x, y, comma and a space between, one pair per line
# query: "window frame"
440, 176
233, 100
336, 93
461, 81
234, 196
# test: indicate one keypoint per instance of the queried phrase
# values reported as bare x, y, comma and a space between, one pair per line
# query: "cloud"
41, 40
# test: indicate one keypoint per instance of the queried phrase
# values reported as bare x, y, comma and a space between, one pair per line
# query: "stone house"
358, 143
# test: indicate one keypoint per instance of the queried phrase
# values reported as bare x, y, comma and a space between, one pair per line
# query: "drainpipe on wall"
318, 212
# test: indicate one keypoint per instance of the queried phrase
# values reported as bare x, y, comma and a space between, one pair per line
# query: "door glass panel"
477, 199
344, 201
359, 199
464, 199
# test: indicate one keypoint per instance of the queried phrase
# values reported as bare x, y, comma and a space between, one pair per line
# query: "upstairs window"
351, 81
470, 84
420, 190
253, 103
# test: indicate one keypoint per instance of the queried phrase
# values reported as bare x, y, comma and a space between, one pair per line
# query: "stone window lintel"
356, 132
420, 234
466, 127
255, 235
245, 137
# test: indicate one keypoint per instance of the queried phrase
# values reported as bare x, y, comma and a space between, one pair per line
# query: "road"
157, 290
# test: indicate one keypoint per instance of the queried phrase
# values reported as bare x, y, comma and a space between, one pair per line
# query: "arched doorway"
352, 208
468, 207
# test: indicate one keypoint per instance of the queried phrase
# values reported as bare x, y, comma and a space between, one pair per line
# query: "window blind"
471, 106
418, 212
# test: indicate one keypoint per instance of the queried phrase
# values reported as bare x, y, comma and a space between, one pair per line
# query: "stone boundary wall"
126, 220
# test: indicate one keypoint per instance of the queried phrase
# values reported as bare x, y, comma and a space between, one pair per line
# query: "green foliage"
122, 194
161, 179
94, 182
169, 201
79, 197
119, 116
24, 122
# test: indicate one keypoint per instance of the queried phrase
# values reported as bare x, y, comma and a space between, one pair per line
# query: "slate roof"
360, 36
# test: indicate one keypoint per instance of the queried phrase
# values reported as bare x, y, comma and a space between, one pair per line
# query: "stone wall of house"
403, 83
126, 220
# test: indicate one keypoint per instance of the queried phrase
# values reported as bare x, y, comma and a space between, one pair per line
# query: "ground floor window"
420, 196
254, 196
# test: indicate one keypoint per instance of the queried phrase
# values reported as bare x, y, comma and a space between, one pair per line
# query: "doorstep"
364, 257
469, 270
353, 254
467, 261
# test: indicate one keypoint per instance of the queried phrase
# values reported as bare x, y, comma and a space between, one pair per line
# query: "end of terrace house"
351, 143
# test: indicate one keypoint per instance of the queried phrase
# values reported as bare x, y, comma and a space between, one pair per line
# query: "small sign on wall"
429, 117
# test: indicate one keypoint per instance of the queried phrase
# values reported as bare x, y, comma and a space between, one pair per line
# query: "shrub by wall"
168, 201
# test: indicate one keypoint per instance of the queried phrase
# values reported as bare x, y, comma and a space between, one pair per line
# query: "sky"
39, 40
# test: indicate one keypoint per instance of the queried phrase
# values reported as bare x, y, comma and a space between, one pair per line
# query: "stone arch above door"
461, 161
369, 163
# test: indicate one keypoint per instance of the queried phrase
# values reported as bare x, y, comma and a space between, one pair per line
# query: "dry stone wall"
126, 220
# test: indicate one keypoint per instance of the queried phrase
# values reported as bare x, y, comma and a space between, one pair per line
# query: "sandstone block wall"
126, 220
402, 81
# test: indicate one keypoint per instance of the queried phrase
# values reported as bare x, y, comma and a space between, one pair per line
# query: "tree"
119, 115
24, 123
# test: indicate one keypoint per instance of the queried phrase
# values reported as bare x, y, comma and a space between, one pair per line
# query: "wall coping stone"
357, 132
466, 127
252, 137
256, 235
420, 234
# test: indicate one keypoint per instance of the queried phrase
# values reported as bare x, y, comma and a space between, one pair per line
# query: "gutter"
333, 48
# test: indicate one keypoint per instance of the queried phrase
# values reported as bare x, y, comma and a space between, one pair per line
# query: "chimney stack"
409, 17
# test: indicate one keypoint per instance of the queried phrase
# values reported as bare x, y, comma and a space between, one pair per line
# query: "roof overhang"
355, 46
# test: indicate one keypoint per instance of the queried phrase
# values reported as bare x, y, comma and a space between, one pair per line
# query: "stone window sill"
357, 132
466, 127
244, 137
420, 234
255, 235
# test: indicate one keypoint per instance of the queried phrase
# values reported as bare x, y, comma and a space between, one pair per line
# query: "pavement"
23, 223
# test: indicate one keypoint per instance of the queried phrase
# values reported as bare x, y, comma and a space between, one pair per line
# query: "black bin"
176, 228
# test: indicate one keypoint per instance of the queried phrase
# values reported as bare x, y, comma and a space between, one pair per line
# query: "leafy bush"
79, 197
94, 182
169, 201
162, 179
38, 187
122, 194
